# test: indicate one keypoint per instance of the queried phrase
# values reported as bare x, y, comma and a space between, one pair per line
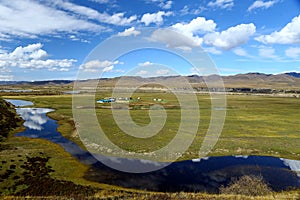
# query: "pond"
206, 174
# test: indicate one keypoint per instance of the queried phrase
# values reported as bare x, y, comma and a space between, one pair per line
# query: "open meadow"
254, 125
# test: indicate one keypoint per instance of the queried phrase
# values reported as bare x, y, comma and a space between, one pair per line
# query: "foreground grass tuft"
247, 185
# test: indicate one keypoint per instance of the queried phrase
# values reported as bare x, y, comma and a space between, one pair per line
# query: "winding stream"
206, 174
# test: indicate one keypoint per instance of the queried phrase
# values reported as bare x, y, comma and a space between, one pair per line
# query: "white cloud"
267, 52
128, 32
33, 57
2, 50
116, 19
197, 25
192, 29
99, 66
108, 69
162, 72
240, 52
156, 18
100, 1
146, 64
232, 37
28, 18
293, 52
173, 39
185, 10
200, 30
152, 73
6, 77
164, 4
261, 4
142, 73
196, 11
290, 34
213, 50
3, 69
221, 3
75, 38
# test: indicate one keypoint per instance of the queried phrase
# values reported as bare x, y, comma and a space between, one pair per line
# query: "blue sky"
45, 40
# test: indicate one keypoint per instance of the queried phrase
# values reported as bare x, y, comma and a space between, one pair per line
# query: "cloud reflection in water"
34, 117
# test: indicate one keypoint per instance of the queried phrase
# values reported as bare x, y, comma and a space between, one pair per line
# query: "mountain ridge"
288, 80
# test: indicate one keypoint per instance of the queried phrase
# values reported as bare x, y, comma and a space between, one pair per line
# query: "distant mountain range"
294, 74
289, 80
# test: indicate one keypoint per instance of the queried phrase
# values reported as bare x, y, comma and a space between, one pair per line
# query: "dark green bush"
247, 185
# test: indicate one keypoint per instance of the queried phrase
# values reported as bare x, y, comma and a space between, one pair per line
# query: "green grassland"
254, 125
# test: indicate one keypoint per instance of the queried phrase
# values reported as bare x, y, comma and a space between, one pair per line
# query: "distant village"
124, 100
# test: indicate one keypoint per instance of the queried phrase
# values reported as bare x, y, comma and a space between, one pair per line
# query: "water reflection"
34, 117
39, 125
19, 103
294, 165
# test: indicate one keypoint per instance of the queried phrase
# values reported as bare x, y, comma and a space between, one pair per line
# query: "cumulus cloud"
232, 37
156, 18
185, 35
197, 25
99, 66
261, 4
145, 64
128, 32
293, 52
174, 39
201, 31
290, 34
33, 57
221, 4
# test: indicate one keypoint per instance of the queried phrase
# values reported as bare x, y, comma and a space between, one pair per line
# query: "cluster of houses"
157, 99
113, 99
123, 99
